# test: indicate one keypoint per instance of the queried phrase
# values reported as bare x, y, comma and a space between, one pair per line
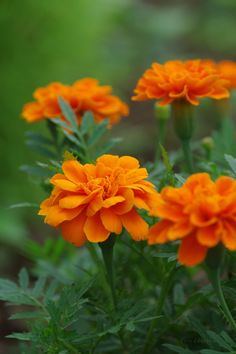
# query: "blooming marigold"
91, 201
84, 95
187, 80
201, 214
227, 70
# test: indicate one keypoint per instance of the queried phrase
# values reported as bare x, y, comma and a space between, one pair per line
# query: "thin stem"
187, 154
214, 277
107, 253
160, 139
167, 282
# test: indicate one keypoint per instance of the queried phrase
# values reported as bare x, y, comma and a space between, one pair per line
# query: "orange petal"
180, 229
73, 230
127, 204
94, 229
229, 235
57, 215
95, 204
209, 236
60, 181
111, 221
73, 201
191, 252
135, 225
109, 160
158, 232
128, 162
112, 201
73, 170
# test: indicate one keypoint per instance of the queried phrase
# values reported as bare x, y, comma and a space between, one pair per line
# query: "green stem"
107, 253
161, 139
214, 277
167, 282
187, 154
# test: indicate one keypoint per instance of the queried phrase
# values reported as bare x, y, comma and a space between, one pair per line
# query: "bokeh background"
111, 40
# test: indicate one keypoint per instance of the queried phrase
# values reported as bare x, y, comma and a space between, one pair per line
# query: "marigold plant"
84, 95
201, 213
91, 201
174, 80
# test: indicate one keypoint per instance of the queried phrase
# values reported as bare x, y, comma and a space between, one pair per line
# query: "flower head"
186, 80
201, 214
84, 95
227, 71
91, 201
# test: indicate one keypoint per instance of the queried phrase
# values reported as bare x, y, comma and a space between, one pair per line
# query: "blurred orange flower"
84, 95
227, 70
186, 80
91, 201
201, 214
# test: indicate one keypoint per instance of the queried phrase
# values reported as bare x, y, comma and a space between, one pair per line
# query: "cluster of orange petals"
91, 201
187, 80
201, 214
84, 95
227, 69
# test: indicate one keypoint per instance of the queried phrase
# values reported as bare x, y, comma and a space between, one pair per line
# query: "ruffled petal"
135, 225
94, 229
191, 252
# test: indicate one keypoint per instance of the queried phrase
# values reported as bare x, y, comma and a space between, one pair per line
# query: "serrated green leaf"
219, 340
107, 146
68, 113
36, 137
35, 171
41, 149
130, 326
39, 286
177, 349
26, 315
74, 140
99, 131
24, 205
179, 297
61, 123
228, 339
23, 279
210, 351
87, 123
231, 161
20, 336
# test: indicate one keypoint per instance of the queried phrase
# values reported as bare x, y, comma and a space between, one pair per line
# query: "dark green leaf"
99, 131
68, 113
87, 123
23, 279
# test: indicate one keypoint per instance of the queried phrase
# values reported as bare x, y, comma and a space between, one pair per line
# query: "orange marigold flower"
91, 201
84, 95
174, 80
227, 70
201, 214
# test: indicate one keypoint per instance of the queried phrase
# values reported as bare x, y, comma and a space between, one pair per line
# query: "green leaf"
210, 351
219, 340
87, 123
179, 297
24, 205
177, 349
26, 315
39, 286
74, 140
68, 113
231, 161
180, 178
99, 131
21, 336
23, 279
61, 123
40, 139
41, 149
35, 171
130, 326
107, 146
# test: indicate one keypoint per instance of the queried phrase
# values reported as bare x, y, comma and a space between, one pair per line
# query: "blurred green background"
112, 40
